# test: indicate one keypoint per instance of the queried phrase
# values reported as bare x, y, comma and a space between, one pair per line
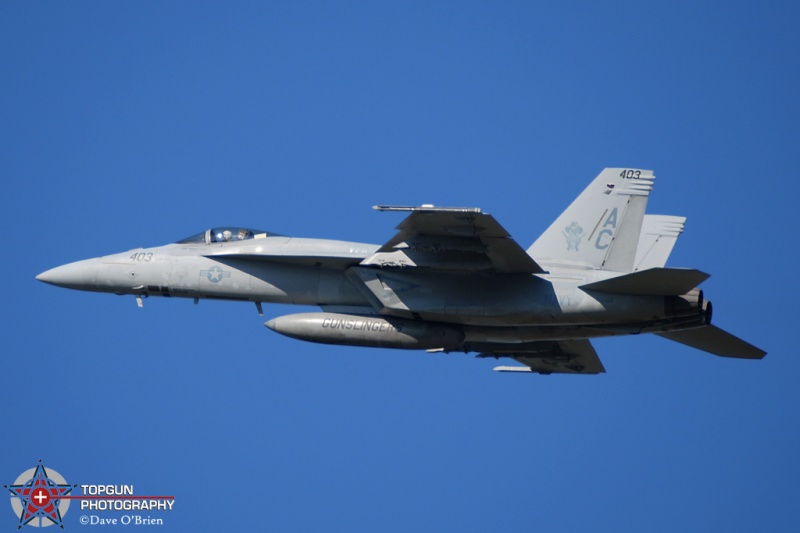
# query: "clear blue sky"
129, 124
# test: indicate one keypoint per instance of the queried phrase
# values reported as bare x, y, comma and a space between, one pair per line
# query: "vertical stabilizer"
601, 228
658, 237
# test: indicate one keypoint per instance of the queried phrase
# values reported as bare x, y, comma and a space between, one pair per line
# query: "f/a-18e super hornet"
451, 280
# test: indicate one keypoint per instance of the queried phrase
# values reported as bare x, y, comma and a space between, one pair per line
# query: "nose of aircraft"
81, 275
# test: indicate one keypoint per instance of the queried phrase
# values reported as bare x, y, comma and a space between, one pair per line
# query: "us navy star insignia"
215, 274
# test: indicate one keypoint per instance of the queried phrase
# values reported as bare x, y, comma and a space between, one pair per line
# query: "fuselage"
328, 274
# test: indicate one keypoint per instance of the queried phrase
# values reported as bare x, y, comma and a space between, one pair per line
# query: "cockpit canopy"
225, 234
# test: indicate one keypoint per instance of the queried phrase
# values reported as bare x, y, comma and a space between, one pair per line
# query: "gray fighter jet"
451, 280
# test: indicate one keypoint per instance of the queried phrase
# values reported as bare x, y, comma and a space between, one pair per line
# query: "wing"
452, 239
562, 357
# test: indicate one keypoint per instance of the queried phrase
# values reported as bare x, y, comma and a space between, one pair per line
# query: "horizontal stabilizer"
653, 282
711, 339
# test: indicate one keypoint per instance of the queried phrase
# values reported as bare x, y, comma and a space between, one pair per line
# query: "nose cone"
81, 275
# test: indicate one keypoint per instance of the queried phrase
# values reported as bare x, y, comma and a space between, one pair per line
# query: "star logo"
36, 497
215, 274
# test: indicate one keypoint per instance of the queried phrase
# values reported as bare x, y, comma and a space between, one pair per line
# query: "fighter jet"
451, 280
